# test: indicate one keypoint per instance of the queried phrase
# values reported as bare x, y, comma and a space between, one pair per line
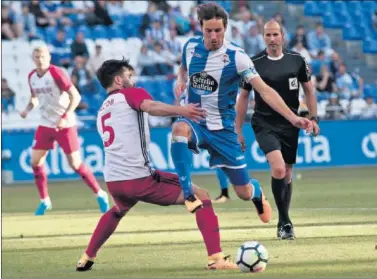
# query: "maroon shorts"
67, 138
162, 188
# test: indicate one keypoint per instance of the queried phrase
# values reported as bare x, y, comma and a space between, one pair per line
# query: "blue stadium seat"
369, 6
117, 19
354, 7
370, 90
365, 30
86, 31
69, 33
50, 34
148, 85
295, 2
370, 46
326, 6
40, 32
339, 7
373, 34
316, 67
312, 8
330, 20
227, 5
342, 17
131, 24
115, 32
99, 32
350, 33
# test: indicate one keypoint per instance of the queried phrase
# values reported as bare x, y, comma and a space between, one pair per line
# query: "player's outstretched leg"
91, 181
41, 182
250, 190
224, 183
40, 177
105, 228
85, 173
262, 205
208, 225
182, 161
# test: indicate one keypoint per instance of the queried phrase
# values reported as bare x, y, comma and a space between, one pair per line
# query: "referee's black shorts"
274, 136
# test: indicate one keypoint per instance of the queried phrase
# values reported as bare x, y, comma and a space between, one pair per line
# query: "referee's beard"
274, 50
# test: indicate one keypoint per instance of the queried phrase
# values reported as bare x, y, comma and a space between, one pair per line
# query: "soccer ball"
252, 257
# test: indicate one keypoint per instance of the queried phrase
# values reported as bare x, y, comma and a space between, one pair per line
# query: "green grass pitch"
334, 211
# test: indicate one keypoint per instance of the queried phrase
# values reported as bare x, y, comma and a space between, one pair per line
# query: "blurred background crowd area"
337, 38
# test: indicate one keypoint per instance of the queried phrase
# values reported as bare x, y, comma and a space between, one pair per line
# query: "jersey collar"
275, 58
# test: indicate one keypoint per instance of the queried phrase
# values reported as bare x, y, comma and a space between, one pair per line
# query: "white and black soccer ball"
252, 257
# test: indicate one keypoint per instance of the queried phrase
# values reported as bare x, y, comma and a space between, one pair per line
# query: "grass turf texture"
334, 212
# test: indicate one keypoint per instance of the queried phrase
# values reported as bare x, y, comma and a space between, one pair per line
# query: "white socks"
101, 193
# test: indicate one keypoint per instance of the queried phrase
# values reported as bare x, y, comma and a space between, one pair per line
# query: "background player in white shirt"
57, 98
122, 124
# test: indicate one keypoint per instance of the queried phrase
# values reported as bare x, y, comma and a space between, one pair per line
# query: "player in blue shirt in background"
212, 68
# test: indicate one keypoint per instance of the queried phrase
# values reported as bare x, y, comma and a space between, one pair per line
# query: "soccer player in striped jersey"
211, 70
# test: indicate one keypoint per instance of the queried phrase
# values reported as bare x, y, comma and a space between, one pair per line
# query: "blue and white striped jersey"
214, 78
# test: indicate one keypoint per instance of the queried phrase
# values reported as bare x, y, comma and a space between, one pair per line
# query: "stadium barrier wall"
341, 143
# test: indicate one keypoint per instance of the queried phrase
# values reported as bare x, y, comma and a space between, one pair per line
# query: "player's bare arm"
180, 85
242, 105
74, 97
311, 103
32, 103
191, 111
273, 99
74, 100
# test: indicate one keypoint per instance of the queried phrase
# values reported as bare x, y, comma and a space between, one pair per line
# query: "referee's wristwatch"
315, 118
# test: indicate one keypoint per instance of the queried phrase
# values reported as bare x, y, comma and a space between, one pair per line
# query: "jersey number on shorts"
108, 129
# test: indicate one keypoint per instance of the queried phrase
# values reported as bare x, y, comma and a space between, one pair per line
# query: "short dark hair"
111, 68
212, 10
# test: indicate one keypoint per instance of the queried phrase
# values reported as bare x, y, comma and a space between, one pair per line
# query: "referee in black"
284, 71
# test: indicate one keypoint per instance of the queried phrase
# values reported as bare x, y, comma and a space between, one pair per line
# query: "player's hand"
24, 113
316, 129
179, 89
241, 140
193, 112
62, 123
303, 123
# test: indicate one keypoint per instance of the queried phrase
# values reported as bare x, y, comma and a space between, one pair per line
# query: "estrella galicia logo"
203, 84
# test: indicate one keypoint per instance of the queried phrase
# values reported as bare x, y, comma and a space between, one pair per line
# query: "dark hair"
111, 68
212, 10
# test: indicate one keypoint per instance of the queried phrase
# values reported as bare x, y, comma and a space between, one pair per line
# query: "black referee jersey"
282, 74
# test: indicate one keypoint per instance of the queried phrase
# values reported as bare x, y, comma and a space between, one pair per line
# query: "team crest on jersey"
226, 59
203, 84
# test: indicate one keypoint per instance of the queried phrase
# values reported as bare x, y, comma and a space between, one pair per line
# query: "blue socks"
182, 161
223, 179
257, 189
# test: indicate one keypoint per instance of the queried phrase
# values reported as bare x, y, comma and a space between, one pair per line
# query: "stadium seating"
123, 40
355, 20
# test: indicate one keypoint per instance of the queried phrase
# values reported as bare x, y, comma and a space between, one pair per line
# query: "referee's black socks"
280, 189
288, 195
